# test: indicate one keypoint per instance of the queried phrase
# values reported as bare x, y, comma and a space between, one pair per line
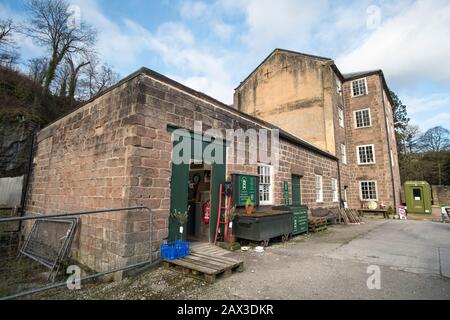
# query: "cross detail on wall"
285, 68
267, 74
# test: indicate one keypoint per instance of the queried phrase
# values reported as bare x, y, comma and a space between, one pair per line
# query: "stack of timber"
317, 224
348, 216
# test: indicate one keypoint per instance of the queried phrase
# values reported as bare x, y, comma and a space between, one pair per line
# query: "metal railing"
17, 274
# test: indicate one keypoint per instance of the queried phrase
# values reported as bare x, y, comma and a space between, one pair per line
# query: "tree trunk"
50, 75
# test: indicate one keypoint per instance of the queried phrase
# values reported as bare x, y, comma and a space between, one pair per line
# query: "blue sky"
213, 45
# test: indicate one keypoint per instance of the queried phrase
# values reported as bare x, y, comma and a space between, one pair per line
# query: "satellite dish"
372, 205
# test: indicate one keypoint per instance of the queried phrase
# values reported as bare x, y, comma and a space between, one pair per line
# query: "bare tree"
37, 68
6, 30
97, 78
74, 69
8, 48
409, 139
49, 25
436, 139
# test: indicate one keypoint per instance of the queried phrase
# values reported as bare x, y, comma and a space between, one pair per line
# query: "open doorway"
199, 198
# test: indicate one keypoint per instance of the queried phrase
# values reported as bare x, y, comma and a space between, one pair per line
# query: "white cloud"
440, 119
281, 23
209, 14
123, 43
409, 46
27, 47
428, 103
194, 9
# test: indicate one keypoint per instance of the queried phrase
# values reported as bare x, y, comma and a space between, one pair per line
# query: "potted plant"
181, 218
249, 206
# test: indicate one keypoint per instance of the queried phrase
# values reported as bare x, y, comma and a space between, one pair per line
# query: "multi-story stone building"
349, 116
336, 138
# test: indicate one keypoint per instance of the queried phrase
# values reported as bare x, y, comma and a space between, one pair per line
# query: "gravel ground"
327, 265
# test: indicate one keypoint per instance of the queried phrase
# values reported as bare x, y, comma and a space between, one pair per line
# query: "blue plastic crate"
175, 250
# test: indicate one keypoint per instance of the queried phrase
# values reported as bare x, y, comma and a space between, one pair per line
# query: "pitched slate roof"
354, 75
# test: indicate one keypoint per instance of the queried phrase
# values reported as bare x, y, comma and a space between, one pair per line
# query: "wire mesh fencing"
61, 251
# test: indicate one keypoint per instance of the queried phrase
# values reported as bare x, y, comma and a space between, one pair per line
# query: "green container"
300, 219
417, 196
263, 225
244, 186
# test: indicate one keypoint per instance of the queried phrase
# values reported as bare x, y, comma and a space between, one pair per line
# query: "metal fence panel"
30, 257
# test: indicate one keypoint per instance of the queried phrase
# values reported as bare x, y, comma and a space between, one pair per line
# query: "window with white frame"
341, 116
392, 159
343, 154
363, 118
338, 86
368, 190
334, 188
319, 188
265, 184
359, 87
366, 154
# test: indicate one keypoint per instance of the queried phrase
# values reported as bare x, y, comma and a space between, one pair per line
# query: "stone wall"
441, 195
290, 90
163, 103
15, 145
83, 162
116, 151
377, 135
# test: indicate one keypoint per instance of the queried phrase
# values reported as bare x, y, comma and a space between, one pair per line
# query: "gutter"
389, 147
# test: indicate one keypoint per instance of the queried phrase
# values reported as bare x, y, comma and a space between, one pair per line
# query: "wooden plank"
208, 262
217, 269
182, 263
219, 260
228, 259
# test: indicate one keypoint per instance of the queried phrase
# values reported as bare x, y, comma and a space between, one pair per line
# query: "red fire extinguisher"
206, 211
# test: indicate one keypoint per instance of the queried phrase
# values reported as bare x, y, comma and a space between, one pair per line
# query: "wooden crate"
317, 224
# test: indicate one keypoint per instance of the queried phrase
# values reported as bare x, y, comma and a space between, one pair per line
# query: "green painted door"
180, 183
217, 177
215, 153
179, 188
296, 191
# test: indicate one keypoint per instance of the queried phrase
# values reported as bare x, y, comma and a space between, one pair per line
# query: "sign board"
245, 186
286, 193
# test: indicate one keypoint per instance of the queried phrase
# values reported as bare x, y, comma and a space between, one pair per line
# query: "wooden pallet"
317, 224
348, 216
205, 266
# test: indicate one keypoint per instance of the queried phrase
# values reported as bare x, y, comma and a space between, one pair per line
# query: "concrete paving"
414, 246
413, 258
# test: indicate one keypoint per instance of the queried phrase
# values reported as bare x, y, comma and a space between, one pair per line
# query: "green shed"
417, 196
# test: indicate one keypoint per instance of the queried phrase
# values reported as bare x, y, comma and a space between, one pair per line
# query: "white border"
342, 158
270, 202
365, 83
321, 188
337, 190
357, 154
343, 117
370, 118
360, 190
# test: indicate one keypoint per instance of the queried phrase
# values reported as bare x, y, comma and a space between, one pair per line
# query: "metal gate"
46, 245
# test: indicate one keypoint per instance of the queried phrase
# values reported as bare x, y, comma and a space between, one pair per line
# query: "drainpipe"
339, 183
389, 148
